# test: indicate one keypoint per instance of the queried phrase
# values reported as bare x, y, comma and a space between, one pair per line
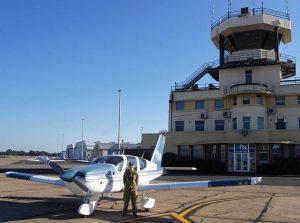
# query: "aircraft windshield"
114, 160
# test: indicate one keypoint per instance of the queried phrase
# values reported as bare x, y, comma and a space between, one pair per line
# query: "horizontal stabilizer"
36, 178
198, 184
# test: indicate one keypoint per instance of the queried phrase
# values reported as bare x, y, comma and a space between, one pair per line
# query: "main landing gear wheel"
147, 209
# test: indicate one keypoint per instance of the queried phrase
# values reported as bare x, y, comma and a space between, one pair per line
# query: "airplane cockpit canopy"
114, 160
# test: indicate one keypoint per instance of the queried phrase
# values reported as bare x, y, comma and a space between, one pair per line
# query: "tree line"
12, 152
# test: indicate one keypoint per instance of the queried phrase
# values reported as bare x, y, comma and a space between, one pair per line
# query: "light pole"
119, 147
82, 138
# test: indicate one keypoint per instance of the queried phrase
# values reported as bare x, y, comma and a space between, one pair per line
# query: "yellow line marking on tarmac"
180, 216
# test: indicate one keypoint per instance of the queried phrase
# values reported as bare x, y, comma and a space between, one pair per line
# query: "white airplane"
105, 175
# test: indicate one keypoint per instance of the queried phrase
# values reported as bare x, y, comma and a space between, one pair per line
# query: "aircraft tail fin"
158, 151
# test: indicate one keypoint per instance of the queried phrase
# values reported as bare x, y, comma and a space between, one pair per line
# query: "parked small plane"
105, 175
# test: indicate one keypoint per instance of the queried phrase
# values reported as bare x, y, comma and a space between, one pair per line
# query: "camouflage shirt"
130, 180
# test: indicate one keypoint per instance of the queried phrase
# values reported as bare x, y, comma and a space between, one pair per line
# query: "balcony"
250, 12
260, 88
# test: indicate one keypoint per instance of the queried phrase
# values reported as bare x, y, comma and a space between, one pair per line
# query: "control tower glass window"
280, 123
219, 104
234, 123
248, 76
179, 105
280, 100
179, 126
234, 102
246, 122
199, 104
260, 122
199, 125
259, 100
246, 100
219, 125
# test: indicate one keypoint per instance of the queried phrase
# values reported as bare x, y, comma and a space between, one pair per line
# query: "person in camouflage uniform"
130, 180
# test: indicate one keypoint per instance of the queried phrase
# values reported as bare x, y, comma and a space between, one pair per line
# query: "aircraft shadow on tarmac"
21, 208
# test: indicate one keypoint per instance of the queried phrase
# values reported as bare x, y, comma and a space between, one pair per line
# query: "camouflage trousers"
127, 196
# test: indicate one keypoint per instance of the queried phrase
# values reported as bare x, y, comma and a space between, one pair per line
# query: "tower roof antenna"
287, 8
229, 6
212, 11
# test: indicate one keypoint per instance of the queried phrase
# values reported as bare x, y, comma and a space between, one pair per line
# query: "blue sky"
64, 60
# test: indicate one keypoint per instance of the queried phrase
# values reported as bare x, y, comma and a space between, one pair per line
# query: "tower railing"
251, 12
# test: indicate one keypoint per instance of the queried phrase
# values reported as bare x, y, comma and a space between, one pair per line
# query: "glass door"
241, 162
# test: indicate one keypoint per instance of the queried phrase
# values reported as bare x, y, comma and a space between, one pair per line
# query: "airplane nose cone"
68, 175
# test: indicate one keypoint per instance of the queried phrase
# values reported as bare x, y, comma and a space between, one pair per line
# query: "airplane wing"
36, 178
198, 184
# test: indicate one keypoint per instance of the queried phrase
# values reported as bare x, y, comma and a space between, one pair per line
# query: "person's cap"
131, 164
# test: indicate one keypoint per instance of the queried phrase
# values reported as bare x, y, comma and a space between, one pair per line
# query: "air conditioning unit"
226, 114
203, 115
271, 111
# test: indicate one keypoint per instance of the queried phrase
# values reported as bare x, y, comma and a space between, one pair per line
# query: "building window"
234, 100
185, 152
179, 105
234, 123
298, 97
260, 122
246, 100
280, 100
246, 122
179, 126
198, 152
280, 123
248, 76
213, 154
263, 154
219, 104
219, 125
199, 105
199, 125
276, 151
286, 151
297, 151
223, 153
259, 100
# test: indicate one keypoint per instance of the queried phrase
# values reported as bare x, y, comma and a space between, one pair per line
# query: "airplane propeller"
65, 175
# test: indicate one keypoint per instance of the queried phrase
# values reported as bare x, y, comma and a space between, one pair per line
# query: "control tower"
252, 37
250, 115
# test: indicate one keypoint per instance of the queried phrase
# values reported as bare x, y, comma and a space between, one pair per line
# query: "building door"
241, 158
241, 162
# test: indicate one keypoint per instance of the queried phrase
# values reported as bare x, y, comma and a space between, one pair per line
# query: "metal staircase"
207, 68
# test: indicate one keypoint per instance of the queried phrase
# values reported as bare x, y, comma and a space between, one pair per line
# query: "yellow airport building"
250, 116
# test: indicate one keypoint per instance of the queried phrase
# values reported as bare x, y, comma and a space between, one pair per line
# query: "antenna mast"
212, 11
287, 8
229, 6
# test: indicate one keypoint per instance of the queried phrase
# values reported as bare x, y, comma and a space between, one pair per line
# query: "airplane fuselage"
105, 174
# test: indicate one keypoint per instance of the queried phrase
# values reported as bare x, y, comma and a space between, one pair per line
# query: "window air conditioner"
226, 114
203, 115
271, 111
